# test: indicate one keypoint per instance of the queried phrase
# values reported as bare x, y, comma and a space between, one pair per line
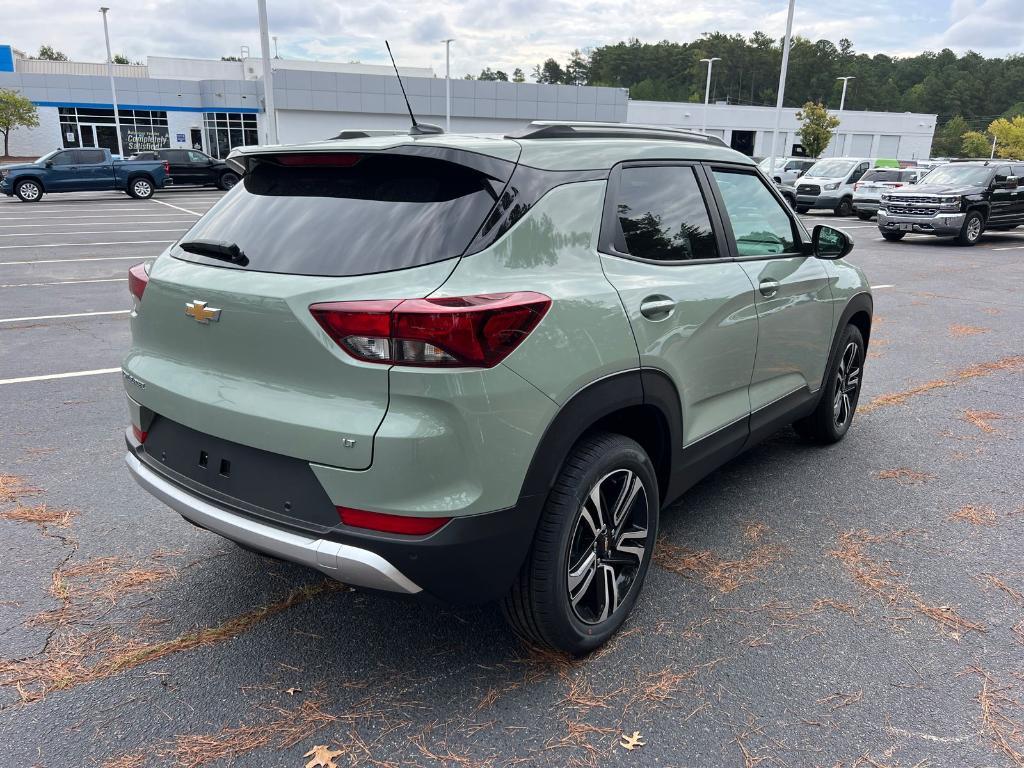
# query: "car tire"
567, 595
864, 216
970, 232
227, 180
803, 208
831, 419
140, 188
29, 191
893, 237
845, 207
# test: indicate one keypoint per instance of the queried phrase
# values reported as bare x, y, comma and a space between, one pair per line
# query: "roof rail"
358, 133
570, 129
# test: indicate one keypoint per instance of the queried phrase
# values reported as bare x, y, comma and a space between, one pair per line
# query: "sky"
495, 33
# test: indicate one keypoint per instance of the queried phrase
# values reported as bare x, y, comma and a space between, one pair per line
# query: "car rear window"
348, 214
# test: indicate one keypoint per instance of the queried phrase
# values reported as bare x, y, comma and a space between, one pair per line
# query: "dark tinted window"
177, 156
759, 223
1018, 170
663, 215
196, 157
383, 212
63, 158
88, 156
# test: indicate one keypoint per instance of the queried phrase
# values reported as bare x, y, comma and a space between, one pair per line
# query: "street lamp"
707, 91
782, 88
268, 75
448, 83
842, 103
113, 89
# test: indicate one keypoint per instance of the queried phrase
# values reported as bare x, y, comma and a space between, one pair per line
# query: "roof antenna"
418, 129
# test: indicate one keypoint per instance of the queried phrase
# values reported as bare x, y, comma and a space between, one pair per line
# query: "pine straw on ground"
74, 658
990, 580
885, 583
41, 515
905, 476
975, 515
723, 575
13, 488
982, 420
1014, 363
960, 331
288, 728
1001, 716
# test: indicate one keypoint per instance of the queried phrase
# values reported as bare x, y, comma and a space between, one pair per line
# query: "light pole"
268, 75
842, 103
782, 88
707, 91
113, 89
448, 83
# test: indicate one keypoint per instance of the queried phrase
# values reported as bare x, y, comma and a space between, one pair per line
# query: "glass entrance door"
88, 135
106, 137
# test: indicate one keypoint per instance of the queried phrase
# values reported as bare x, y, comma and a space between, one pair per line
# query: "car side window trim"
801, 237
611, 241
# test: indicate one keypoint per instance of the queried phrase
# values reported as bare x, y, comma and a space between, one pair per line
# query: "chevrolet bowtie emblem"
199, 312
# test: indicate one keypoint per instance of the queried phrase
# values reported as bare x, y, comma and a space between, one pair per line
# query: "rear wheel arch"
858, 311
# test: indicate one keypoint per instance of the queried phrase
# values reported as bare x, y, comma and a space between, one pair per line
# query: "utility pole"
113, 89
448, 83
707, 90
268, 75
782, 89
842, 104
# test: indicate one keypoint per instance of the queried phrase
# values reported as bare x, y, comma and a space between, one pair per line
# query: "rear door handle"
657, 307
768, 287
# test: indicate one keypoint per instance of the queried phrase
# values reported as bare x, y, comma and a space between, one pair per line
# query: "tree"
518, 76
489, 74
975, 144
120, 58
577, 71
549, 72
948, 140
49, 53
15, 112
1009, 136
816, 127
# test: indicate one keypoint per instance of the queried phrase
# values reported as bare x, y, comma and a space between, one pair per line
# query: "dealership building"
217, 105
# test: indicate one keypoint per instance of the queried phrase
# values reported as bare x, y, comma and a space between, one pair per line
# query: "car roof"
539, 148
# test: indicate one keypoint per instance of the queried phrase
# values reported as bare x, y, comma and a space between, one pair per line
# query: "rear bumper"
818, 201
865, 205
351, 565
943, 224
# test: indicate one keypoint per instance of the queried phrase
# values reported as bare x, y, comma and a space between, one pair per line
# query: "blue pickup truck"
83, 170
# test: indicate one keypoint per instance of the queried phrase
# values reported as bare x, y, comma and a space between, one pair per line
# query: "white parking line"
60, 317
59, 210
186, 225
88, 216
184, 222
50, 376
68, 261
65, 282
186, 210
66, 245
1009, 248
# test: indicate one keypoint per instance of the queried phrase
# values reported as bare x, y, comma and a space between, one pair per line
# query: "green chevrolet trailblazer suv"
479, 367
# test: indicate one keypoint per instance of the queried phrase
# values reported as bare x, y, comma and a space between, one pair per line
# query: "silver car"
868, 191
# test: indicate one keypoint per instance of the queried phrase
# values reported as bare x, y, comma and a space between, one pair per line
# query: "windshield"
958, 174
829, 169
47, 156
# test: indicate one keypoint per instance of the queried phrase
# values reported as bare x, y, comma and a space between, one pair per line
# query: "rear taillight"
898, 184
474, 331
139, 434
167, 167
138, 279
378, 521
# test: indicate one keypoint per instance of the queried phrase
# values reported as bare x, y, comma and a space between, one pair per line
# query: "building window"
227, 130
140, 129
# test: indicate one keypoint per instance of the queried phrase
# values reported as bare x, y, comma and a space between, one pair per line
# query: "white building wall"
182, 123
35, 142
859, 130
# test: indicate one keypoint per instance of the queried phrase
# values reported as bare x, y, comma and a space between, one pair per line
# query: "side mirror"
1012, 182
830, 243
49, 163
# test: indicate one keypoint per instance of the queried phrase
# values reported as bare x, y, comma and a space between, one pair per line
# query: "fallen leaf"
628, 742
322, 756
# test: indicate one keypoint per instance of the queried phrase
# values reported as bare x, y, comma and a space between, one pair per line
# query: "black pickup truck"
960, 200
190, 166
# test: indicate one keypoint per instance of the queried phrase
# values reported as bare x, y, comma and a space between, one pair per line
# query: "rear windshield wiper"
216, 249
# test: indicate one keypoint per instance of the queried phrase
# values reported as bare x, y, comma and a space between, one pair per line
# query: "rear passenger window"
663, 216
90, 156
760, 225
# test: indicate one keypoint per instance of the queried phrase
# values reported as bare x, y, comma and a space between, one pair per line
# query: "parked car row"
96, 170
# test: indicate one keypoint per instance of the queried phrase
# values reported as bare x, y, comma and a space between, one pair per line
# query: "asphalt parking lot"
857, 605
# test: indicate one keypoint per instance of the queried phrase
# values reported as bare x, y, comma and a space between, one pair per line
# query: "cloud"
988, 26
